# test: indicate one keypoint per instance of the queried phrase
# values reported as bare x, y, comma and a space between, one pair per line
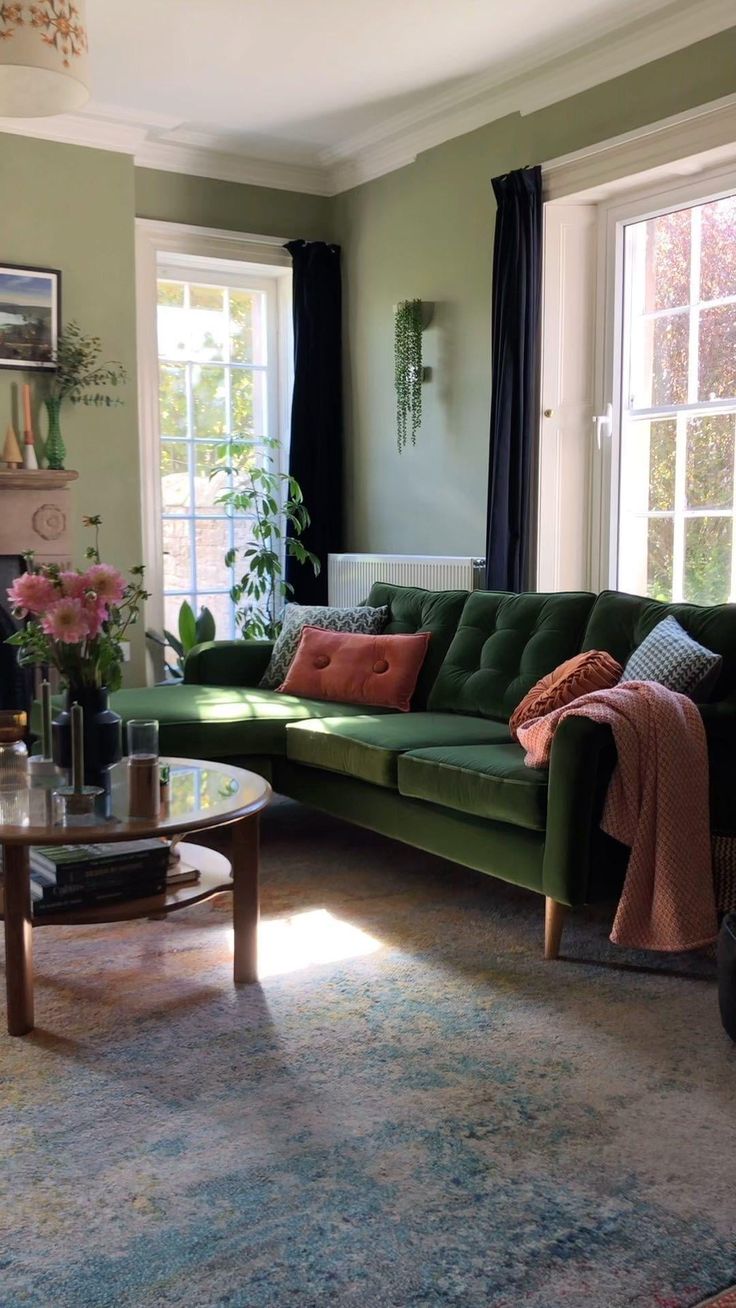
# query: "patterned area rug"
427, 1115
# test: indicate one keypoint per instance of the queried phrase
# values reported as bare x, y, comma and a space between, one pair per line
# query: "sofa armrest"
581, 763
227, 663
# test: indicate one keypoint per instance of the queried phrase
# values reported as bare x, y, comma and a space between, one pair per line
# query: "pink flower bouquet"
75, 620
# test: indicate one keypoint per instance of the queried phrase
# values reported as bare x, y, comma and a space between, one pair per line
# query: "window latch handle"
603, 422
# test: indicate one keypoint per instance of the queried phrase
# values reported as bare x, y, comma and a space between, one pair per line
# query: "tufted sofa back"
619, 622
412, 609
504, 644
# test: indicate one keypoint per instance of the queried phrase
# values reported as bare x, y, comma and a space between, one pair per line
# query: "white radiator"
350, 576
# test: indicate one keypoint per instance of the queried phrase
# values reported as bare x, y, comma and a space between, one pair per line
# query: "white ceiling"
312, 86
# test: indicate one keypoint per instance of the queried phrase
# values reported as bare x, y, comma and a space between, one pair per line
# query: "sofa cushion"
620, 622
413, 609
670, 656
504, 644
359, 618
219, 721
369, 747
489, 781
375, 671
580, 675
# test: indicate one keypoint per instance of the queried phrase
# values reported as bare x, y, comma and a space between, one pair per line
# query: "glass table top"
201, 794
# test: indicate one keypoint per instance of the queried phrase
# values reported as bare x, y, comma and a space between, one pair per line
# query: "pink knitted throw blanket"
657, 803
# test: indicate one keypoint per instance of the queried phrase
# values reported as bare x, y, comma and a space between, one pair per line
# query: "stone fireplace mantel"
35, 514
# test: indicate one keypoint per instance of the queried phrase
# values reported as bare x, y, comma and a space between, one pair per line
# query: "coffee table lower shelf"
215, 879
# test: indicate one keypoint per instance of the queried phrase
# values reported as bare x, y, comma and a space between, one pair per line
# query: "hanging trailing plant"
408, 371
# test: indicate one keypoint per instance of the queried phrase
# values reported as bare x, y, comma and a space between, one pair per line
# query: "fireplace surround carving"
35, 514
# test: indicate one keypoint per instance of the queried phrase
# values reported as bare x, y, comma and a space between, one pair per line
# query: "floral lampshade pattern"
43, 57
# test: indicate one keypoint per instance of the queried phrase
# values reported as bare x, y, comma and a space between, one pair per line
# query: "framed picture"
30, 315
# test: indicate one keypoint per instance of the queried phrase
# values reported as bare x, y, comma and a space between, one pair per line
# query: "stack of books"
65, 877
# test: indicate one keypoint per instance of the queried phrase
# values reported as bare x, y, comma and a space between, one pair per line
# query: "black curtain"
315, 457
515, 345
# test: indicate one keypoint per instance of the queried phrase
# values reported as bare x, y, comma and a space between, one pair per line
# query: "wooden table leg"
244, 857
18, 939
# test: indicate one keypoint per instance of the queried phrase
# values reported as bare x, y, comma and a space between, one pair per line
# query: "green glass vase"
55, 448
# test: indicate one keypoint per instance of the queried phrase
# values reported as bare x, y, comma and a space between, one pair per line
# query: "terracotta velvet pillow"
380, 671
595, 670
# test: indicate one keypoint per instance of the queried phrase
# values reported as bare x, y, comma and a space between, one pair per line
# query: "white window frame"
161, 248
611, 364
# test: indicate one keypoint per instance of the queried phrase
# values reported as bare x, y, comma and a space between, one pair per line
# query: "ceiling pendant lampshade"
43, 58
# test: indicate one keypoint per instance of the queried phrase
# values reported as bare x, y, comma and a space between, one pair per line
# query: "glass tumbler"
13, 752
143, 738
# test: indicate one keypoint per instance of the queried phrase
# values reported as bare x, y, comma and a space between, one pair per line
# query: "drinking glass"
142, 738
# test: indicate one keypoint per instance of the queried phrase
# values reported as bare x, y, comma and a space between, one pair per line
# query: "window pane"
173, 399
177, 554
207, 323
175, 487
710, 453
208, 401
718, 242
660, 537
249, 416
173, 331
171, 294
707, 560
221, 607
213, 542
662, 442
668, 261
248, 327
717, 371
659, 356
206, 488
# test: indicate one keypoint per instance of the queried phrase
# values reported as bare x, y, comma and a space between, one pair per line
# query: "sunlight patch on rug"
308, 939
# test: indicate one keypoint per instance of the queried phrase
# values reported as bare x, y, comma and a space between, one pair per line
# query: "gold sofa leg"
554, 921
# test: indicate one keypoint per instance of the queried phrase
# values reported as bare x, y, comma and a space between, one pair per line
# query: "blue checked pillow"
362, 619
670, 656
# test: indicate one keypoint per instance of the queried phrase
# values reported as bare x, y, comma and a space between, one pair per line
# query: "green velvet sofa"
447, 777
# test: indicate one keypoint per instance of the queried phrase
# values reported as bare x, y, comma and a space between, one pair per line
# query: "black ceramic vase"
103, 735
727, 973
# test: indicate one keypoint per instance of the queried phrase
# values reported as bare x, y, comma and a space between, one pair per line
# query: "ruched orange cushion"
594, 670
378, 671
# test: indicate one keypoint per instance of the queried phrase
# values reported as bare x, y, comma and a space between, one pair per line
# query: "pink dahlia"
96, 614
66, 620
107, 583
72, 584
31, 593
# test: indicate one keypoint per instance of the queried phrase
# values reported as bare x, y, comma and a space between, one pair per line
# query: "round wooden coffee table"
203, 795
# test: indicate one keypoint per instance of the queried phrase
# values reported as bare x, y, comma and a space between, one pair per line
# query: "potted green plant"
271, 500
81, 377
192, 631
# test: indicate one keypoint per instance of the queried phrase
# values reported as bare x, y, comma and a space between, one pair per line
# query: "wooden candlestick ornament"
30, 462
12, 457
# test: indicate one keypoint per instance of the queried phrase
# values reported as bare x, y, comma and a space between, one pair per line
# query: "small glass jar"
13, 752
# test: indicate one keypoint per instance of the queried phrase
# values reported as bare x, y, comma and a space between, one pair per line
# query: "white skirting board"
350, 576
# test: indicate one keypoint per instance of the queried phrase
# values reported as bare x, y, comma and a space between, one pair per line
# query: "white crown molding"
198, 161
523, 89
166, 143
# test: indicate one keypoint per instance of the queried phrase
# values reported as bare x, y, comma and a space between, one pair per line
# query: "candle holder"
76, 808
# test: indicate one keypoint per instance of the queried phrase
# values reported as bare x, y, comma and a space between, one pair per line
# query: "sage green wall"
174, 198
426, 231
73, 208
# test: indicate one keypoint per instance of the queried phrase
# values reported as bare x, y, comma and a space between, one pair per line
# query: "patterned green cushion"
412, 609
504, 644
367, 621
670, 656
